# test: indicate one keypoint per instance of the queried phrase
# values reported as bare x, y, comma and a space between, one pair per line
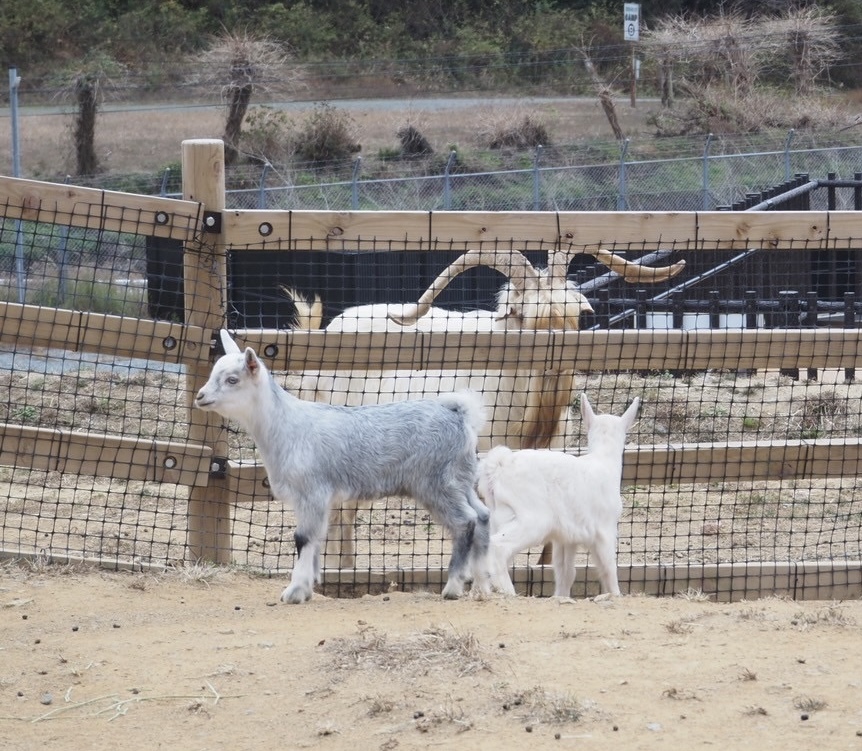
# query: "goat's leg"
501, 581
309, 536
340, 540
604, 552
511, 538
499, 561
459, 564
479, 557
564, 568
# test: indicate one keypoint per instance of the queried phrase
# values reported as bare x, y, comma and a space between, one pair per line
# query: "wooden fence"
216, 482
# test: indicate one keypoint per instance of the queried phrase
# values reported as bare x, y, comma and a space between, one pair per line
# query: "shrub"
328, 135
268, 135
526, 133
715, 109
413, 143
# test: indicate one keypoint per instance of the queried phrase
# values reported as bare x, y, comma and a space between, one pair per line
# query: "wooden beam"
91, 208
104, 455
418, 230
205, 294
112, 336
720, 582
742, 461
697, 463
583, 351
717, 582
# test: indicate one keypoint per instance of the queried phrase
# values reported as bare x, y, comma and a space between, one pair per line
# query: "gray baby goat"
319, 455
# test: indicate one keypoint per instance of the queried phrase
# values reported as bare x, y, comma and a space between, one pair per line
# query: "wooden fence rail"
208, 230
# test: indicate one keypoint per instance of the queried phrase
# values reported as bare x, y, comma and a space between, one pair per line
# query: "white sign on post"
631, 21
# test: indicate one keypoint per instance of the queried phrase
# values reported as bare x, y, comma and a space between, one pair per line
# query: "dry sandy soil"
210, 660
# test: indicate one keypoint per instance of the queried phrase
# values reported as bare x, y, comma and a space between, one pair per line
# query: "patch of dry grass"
833, 615
539, 705
435, 648
694, 595
809, 704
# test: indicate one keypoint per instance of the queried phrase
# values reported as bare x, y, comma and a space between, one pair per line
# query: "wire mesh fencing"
90, 416
742, 483
699, 176
740, 476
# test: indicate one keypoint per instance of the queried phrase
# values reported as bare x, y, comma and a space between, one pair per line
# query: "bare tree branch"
240, 64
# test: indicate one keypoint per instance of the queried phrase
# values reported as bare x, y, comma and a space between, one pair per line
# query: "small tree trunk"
611, 113
605, 97
666, 83
86, 91
240, 97
803, 72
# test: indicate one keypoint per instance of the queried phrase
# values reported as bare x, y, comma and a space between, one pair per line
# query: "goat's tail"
309, 312
470, 405
488, 471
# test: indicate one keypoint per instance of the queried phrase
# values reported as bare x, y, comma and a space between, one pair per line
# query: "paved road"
428, 104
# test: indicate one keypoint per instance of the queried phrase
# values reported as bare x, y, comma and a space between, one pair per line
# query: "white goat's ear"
228, 345
631, 413
251, 361
587, 413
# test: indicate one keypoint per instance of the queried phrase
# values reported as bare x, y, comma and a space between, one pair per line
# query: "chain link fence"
584, 178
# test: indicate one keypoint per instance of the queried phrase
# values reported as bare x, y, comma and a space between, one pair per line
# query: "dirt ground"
211, 660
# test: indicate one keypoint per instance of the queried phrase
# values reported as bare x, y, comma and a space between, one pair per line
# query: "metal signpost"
631, 33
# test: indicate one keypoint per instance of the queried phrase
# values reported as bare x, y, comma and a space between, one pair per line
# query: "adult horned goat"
526, 408
316, 455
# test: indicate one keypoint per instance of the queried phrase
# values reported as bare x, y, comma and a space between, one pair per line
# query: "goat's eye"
232, 380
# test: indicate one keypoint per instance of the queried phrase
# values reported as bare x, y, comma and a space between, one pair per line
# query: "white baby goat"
538, 496
317, 455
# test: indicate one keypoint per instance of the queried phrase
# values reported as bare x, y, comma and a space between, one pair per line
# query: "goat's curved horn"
631, 271
512, 263
558, 264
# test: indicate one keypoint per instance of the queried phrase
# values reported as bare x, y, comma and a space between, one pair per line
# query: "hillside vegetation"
370, 45
714, 69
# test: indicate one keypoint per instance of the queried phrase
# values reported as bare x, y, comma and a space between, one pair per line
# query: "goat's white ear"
251, 361
631, 413
587, 413
228, 345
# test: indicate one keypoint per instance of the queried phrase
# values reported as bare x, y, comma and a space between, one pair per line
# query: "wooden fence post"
205, 285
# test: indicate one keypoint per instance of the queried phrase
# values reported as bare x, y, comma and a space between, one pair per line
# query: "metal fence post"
537, 157
261, 188
706, 201
788, 315
850, 323
354, 184
622, 198
787, 142
14, 82
163, 189
447, 187
63, 254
